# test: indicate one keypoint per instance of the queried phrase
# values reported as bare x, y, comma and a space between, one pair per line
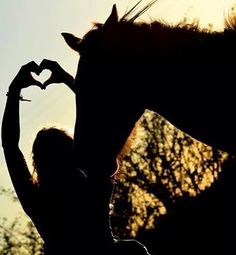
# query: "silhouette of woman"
60, 202
56, 202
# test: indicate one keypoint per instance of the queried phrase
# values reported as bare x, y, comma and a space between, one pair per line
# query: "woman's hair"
52, 150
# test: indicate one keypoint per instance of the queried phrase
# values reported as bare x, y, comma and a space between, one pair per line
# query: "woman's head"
52, 153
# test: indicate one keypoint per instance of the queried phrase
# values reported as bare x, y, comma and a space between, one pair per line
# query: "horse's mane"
130, 35
229, 18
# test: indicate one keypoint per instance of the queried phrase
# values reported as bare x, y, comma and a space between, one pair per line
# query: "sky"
30, 30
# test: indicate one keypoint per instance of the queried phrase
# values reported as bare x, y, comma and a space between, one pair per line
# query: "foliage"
18, 236
161, 165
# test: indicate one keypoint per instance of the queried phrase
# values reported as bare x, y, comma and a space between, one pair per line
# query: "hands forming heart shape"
29, 75
48, 72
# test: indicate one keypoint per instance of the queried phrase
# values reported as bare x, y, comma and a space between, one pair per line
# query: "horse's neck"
184, 91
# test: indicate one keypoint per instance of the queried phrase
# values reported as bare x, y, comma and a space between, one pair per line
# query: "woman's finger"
47, 64
32, 67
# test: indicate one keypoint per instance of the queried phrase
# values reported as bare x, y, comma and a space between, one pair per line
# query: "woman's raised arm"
17, 167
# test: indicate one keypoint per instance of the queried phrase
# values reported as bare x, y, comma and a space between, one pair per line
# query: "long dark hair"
52, 149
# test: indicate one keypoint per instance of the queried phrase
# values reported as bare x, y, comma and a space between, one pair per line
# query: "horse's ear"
113, 18
72, 41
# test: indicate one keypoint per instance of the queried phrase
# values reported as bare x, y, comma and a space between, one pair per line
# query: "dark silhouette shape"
59, 201
56, 202
132, 61
126, 67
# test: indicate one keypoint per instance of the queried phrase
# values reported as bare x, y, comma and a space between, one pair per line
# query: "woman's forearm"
11, 122
69, 81
16, 164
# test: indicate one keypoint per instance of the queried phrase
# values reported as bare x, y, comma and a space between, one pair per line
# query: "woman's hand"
24, 77
59, 75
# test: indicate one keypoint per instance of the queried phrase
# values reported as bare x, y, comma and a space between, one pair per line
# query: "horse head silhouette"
125, 67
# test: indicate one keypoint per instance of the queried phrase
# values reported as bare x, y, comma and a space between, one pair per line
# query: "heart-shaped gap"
43, 76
